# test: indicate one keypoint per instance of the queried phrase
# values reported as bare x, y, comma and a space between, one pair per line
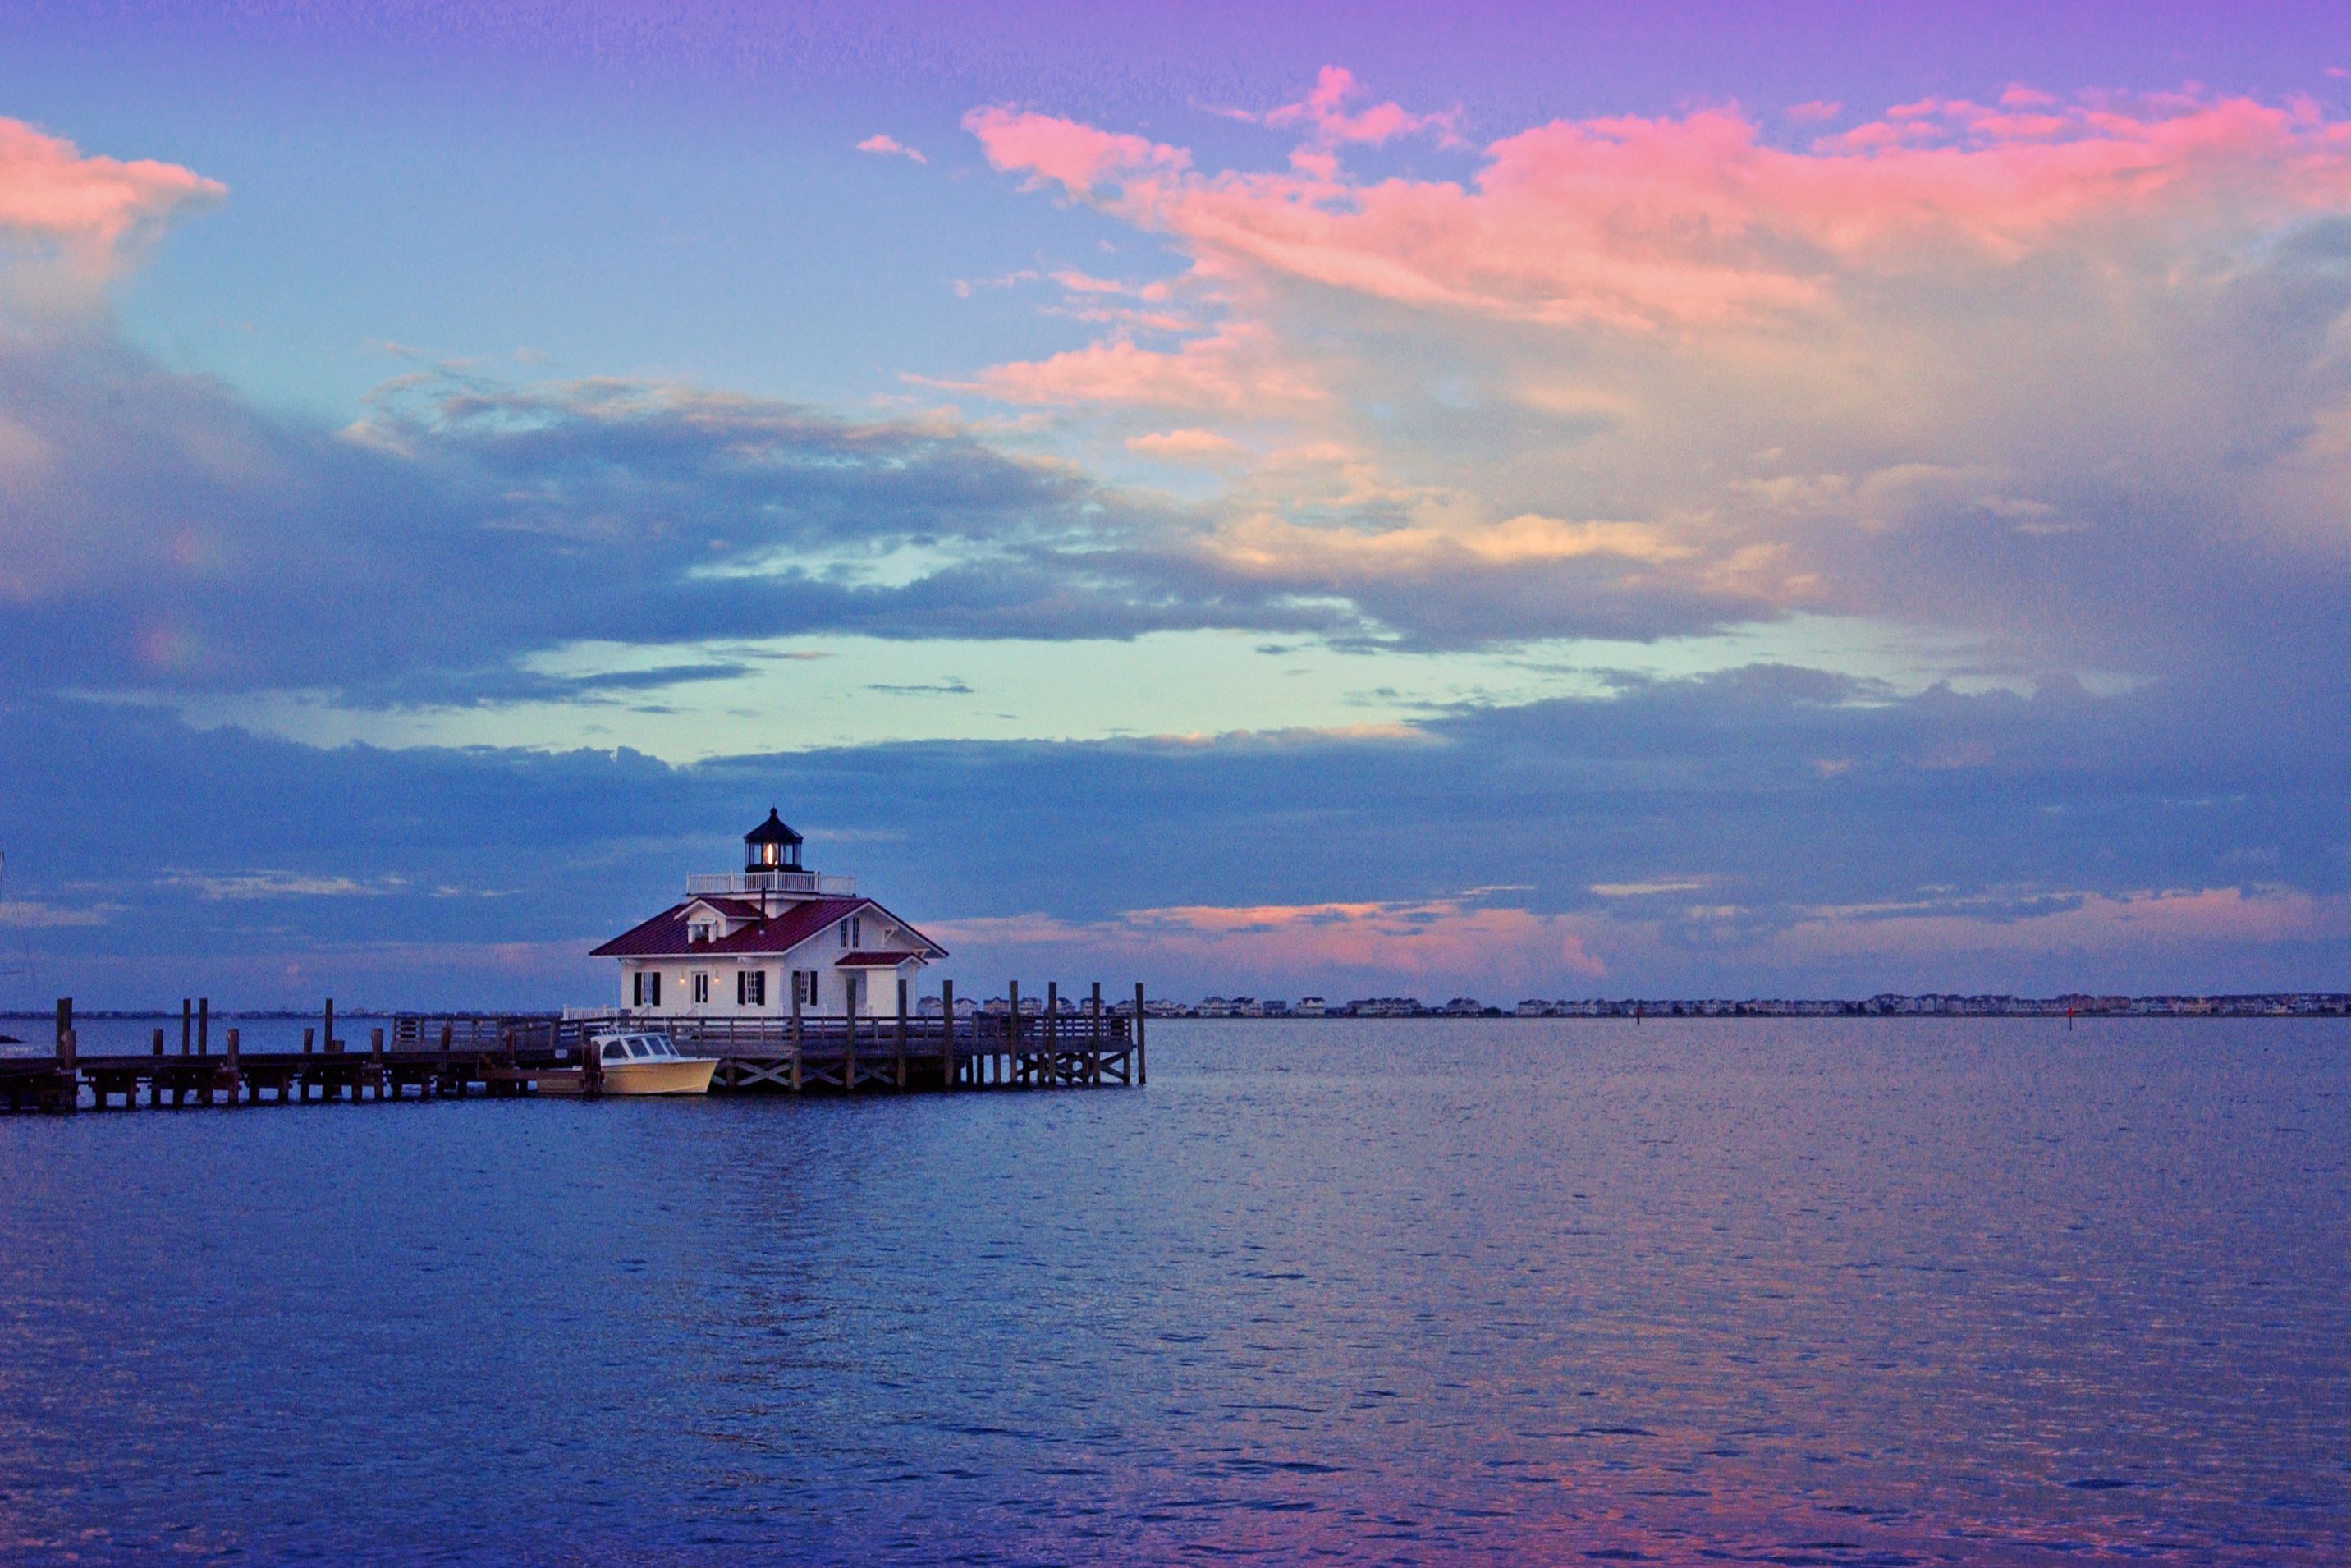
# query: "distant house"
1310, 1007
747, 945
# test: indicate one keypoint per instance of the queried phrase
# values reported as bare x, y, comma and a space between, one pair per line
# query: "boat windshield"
638, 1048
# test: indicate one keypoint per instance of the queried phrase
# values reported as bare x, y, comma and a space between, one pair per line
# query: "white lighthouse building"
745, 946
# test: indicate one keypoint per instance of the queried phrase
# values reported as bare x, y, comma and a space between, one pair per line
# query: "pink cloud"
1453, 942
1233, 370
1640, 223
1323, 110
2095, 924
1720, 369
1444, 941
1817, 109
92, 208
1187, 446
890, 147
1076, 157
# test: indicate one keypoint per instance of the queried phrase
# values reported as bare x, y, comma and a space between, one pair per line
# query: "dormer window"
700, 931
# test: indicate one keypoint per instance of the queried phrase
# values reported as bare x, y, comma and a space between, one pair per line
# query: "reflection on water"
1785, 1291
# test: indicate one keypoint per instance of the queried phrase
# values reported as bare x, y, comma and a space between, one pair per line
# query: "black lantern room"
771, 846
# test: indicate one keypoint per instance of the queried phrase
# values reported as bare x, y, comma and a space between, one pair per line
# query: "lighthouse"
747, 944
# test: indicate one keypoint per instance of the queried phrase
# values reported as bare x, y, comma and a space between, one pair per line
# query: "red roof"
865, 960
664, 936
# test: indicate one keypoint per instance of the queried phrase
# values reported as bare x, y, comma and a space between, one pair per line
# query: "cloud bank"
2061, 384
2017, 368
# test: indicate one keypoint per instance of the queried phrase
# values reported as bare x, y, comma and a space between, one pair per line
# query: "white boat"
636, 1063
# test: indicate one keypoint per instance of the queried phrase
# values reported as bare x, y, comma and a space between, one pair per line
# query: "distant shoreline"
2265, 1004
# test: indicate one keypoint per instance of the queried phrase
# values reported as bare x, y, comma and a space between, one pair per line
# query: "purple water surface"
1770, 1291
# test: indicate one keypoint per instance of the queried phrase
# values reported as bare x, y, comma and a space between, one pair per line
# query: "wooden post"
68, 1044
204, 1029
1012, 1033
187, 1024
848, 1036
158, 1040
1093, 1058
901, 1032
327, 1030
946, 1035
447, 1031
591, 1068
1049, 1037
309, 1037
230, 1060
796, 1029
1139, 1079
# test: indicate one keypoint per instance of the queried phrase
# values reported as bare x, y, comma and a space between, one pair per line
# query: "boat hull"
673, 1075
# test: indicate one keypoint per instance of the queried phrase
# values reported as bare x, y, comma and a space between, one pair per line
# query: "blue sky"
1739, 500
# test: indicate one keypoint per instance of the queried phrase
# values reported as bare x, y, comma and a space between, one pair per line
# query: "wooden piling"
158, 1040
326, 1040
946, 1035
1094, 1049
1139, 1078
902, 1032
796, 1031
1053, 1032
204, 1031
236, 1079
1012, 1033
308, 1036
187, 1023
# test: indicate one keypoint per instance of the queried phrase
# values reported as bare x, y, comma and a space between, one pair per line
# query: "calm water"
1769, 1292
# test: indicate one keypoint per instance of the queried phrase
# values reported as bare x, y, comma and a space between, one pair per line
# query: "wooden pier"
432, 1056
